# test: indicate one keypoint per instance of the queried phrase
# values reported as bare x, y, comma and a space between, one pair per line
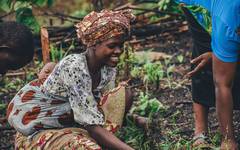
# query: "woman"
72, 109
225, 45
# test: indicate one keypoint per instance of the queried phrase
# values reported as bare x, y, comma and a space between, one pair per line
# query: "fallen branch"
145, 1
62, 16
5, 15
130, 6
15, 74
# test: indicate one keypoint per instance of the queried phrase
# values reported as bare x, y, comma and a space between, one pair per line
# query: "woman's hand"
200, 61
106, 139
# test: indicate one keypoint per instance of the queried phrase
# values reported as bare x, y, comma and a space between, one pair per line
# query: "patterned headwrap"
97, 27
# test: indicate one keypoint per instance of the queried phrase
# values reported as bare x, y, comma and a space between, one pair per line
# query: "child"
46, 70
225, 44
21, 99
16, 46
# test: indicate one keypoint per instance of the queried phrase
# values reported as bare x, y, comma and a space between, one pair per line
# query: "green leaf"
3, 107
79, 13
39, 2
25, 16
50, 3
5, 5
180, 58
136, 72
22, 4
155, 105
170, 69
143, 106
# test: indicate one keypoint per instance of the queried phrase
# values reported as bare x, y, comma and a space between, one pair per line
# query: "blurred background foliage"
33, 12
36, 13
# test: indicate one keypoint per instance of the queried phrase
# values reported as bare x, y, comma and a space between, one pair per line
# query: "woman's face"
109, 51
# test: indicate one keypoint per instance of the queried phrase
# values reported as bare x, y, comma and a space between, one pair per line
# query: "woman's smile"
114, 59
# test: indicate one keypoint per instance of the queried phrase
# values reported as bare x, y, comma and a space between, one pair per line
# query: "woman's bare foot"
229, 145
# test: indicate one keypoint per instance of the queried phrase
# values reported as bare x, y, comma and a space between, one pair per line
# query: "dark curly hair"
19, 40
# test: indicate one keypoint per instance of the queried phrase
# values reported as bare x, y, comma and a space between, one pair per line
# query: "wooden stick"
45, 45
15, 74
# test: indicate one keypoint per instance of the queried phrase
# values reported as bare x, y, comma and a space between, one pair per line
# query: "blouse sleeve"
79, 87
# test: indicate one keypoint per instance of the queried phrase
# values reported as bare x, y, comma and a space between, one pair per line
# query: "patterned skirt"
73, 138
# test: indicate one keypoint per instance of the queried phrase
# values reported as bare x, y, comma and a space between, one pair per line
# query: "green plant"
163, 4
170, 70
3, 108
57, 54
136, 72
147, 106
23, 10
180, 58
153, 73
127, 61
169, 5
216, 139
134, 136
80, 13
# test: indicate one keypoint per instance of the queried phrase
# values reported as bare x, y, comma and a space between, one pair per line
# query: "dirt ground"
179, 100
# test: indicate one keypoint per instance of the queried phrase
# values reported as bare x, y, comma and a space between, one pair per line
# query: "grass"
167, 139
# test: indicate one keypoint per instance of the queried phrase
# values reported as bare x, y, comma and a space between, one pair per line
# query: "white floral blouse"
70, 80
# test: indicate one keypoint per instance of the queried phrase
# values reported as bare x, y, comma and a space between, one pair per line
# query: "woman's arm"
106, 139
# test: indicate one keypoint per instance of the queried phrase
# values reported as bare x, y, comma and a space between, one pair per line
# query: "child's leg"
223, 74
201, 125
201, 118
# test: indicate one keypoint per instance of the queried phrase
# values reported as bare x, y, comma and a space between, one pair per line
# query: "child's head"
16, 46
46, 70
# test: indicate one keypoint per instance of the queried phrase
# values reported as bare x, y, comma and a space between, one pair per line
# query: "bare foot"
229, 145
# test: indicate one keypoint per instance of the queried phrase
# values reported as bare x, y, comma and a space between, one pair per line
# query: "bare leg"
200, 118
201, 124
223, 74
